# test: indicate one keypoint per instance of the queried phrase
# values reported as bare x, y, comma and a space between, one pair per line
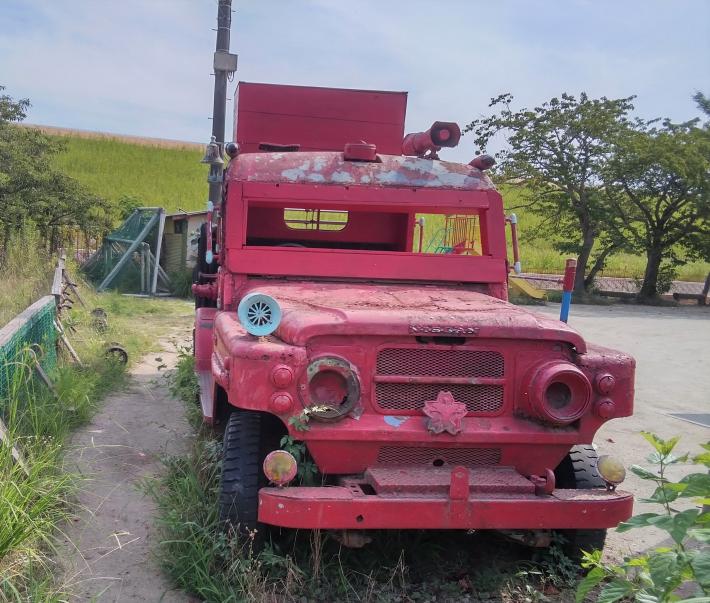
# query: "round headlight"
560, 392
329, 388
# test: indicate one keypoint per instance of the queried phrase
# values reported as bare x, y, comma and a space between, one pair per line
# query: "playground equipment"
459, 235
129, 258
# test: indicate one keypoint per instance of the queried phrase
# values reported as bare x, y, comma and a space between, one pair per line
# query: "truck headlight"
329, 388
560, 393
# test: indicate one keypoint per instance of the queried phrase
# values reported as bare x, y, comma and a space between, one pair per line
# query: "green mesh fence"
33, 327
140, 227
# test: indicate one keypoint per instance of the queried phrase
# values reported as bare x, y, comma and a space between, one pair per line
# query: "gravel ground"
672, 347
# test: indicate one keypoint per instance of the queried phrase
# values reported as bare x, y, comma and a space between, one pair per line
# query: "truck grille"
397, 456
406, 378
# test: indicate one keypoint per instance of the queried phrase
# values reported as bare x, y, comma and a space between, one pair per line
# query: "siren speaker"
445, 133
259, 314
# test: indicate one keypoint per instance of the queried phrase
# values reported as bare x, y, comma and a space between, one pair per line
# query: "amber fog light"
611, 470
280, 467
560, 392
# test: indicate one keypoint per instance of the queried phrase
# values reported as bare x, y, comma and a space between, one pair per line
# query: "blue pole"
564, 308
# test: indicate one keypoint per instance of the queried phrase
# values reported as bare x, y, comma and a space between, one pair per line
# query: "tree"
658, 187
33, 191
556, 154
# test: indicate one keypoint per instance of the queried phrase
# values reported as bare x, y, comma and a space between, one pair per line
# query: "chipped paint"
342, 177
328, 167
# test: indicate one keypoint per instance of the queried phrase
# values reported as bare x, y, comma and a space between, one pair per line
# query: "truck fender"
204, 338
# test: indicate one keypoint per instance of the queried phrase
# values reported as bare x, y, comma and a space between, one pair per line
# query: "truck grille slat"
412, 396
434, 370
440, 363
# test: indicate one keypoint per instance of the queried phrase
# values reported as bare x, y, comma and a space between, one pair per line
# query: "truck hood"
313, 309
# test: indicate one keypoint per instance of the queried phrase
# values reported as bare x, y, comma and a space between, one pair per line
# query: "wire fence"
33, 328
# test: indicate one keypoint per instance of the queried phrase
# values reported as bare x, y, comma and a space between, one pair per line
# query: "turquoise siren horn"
259, 314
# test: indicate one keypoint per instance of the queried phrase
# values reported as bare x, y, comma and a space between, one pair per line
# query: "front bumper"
496, 498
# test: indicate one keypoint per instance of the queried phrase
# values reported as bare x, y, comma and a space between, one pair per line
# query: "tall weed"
25, 273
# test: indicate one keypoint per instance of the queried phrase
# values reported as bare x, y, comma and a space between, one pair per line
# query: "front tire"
579, 470
241, 471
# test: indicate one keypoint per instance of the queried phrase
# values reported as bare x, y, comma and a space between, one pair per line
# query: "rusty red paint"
410, 327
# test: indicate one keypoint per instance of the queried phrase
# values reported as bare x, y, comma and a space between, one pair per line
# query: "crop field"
174, 178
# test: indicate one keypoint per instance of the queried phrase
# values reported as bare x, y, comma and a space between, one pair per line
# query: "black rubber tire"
579, 470
241, 472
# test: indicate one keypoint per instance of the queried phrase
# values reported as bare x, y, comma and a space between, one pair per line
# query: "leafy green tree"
658, 187
33, 191
556, 153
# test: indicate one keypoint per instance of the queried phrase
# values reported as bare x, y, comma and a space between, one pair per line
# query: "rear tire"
579, 470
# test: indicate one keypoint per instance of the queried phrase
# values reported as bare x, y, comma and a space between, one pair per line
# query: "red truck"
357, 301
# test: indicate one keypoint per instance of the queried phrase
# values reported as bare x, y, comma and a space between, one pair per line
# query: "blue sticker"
394, 421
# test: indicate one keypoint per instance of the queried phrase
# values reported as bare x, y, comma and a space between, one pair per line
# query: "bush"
656, 576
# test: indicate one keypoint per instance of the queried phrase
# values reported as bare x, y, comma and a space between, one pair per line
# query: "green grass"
33, 507
25, 276
174, 178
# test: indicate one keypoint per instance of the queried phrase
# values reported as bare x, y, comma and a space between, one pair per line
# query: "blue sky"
143, 66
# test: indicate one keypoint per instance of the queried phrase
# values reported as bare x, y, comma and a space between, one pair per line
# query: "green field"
172, 178
175, 179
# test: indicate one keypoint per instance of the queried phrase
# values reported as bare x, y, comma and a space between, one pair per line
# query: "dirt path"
108, 554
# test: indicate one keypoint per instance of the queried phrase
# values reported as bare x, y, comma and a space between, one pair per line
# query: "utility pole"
224, 65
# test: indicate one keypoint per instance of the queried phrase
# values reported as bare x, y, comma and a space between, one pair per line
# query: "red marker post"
567, 287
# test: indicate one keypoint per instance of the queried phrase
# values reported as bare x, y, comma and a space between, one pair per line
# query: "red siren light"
360, 151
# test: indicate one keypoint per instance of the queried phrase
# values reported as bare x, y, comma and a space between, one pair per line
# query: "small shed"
180, 239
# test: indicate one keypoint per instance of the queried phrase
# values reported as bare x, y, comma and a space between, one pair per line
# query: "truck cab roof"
331, 168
